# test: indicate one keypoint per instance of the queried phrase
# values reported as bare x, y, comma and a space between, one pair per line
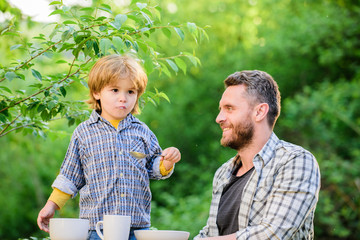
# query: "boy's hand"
170, 156
45, 214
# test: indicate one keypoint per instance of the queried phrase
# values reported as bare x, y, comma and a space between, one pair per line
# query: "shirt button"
121, 174
122, 195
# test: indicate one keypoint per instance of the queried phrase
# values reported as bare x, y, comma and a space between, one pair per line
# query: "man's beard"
242, 137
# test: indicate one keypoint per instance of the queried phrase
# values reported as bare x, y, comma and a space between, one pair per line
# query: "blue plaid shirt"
109, 180
278, 201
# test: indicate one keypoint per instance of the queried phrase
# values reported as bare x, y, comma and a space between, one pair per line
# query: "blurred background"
311, 48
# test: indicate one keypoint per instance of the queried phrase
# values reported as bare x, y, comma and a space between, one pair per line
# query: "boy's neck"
115, 122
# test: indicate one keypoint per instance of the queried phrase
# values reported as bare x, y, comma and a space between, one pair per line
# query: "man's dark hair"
260, 86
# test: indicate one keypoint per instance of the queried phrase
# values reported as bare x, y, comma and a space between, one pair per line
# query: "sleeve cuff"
163, 170
59, 197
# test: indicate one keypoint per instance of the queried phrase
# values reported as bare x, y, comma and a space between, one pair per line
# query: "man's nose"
220, 117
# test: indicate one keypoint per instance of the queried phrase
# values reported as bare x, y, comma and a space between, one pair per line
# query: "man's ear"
261, 111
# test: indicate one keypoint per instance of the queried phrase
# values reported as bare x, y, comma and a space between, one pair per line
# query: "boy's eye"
131, 92
115, 90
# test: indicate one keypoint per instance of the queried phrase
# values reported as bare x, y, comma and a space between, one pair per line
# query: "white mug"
69, 229
115, 227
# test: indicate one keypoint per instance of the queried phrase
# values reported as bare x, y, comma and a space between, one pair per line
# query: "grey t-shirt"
227, 218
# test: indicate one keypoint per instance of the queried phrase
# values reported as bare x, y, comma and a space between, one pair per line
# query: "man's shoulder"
290, 148
287, 152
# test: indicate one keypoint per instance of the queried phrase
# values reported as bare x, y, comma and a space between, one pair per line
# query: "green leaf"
120, 18
69, 22
141, 5
36, 74
163, 95
106, 8
180, 33
55, 3
41, 108
147, 18
181, 64
63, 91
20, 91
71, 121
42, 134
105, 45
192, 27
2, 118
118, 44
61, 61
84, 83
16, 34
194, 60
166, 32
172, 65
5, 89
157, 11
165, 70
96, 47
66, 35
15, 47
36, 85
86, 18
58, 11
10, 75
45, 116
148, 65
118, 21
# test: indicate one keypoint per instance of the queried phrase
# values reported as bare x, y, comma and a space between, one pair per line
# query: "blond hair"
112, 68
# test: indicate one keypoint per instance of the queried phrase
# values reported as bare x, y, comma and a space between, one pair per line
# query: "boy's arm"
170, 156
56, 201
45, 214
59, 197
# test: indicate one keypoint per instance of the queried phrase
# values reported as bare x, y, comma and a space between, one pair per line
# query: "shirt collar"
266, 153
95, 117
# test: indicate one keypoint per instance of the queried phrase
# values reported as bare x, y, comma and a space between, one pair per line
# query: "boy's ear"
96, 96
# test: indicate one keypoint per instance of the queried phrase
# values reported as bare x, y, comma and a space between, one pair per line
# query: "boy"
98, 164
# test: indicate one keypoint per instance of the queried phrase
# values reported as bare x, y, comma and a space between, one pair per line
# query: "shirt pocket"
138, 145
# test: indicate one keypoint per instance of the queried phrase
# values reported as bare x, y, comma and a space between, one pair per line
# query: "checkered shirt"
110, 181
279, 200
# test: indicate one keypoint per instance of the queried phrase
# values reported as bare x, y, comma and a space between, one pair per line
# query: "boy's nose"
122, 97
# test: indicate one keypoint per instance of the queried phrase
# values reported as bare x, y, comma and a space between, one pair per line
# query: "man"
269, 190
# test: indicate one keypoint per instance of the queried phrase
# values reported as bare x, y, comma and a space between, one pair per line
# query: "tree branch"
10, 124
32, 58
42, 90
26, 125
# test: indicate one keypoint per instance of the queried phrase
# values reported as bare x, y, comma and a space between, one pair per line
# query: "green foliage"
72, 46
327, 120
309, 47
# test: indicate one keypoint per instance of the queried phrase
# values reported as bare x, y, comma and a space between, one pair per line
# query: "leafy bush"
326, 120
72, 47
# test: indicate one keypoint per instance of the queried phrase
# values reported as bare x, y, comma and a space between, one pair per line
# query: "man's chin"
225, 142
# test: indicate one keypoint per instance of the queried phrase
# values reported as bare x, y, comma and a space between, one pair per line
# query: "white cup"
68, 229
115, 227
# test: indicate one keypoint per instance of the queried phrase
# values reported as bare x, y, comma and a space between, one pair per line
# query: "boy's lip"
121, 107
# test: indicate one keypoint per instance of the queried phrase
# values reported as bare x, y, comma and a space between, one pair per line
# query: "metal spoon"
140, 155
